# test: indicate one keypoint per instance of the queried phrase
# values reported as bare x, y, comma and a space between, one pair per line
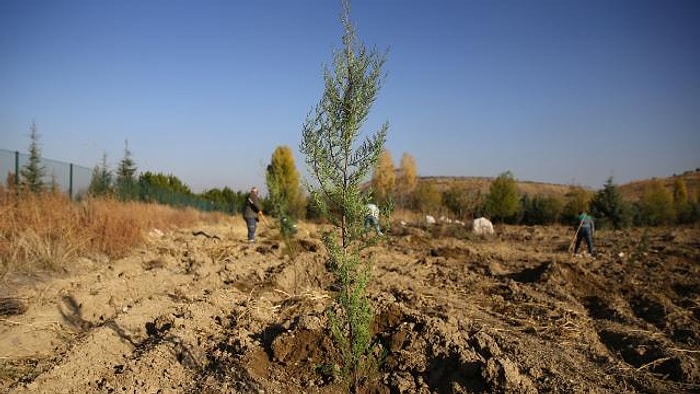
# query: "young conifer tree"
101, 181
33, 172
340, 164
126, 176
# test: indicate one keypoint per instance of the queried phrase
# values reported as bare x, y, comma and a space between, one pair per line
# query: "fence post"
17, 169
70, 181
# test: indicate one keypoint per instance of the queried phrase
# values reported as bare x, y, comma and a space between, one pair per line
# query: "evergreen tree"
33, 173
341, 164
101, 180
127, 188
609, 208
502, 201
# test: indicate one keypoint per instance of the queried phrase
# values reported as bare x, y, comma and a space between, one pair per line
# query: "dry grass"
47, 231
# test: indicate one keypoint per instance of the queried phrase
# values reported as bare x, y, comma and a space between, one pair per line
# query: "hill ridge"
632, 190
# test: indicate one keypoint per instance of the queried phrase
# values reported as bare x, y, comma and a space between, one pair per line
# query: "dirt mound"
202, 311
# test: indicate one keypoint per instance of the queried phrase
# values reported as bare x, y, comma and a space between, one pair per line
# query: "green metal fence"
75, 181
66, 177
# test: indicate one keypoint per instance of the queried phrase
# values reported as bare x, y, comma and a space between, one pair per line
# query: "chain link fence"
75, 180
66, 177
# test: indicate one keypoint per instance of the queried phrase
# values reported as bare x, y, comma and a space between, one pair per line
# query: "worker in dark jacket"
252, 212
586, 229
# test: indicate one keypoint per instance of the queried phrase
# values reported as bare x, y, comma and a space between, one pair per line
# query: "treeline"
658, 205
392, 187
125, 184
158, 188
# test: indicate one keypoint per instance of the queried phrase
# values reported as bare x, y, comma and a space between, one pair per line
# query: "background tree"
502, 202
407, 180
169, 190
225, 200
158, 182
577, 199
609, 208
457, 200
282, 180
681, 202
540, 209
657, 204
340, 164
427, 198
126, 186
101, 180
384, 179
33, 173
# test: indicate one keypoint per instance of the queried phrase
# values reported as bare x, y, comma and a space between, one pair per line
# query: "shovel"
573, 241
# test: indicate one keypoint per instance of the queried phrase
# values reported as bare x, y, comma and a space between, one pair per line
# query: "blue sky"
559, 91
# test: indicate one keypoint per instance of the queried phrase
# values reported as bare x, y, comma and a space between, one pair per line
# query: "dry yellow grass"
46, 231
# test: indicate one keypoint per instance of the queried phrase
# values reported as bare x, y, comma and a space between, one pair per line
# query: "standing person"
586, 229
251, 213
372, 218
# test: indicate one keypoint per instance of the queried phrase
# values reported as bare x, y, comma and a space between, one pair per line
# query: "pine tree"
340, 164
609, 208
33, 172
126, 176
101, 181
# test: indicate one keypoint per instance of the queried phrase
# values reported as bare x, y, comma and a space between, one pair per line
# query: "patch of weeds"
642, 247
20, 369
328, 372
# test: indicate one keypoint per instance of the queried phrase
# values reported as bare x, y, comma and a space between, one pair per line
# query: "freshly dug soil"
202, 311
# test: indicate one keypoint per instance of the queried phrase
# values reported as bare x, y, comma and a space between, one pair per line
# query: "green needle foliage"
34, 171
341, 163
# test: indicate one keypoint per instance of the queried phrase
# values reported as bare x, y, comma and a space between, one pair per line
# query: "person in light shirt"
372, 219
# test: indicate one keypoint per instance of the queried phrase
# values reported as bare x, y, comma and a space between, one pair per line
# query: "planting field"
201, 311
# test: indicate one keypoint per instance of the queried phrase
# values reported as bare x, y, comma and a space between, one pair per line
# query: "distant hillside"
630, 191
470, 184
633, 191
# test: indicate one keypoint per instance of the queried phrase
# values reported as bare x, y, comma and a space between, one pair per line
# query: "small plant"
341, 165
642, 247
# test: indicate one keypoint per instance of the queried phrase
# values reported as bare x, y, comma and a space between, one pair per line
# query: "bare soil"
455, 313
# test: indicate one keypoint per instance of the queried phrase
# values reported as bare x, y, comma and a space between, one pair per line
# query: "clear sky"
561, 91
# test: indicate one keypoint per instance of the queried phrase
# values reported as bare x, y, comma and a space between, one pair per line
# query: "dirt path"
455, 313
